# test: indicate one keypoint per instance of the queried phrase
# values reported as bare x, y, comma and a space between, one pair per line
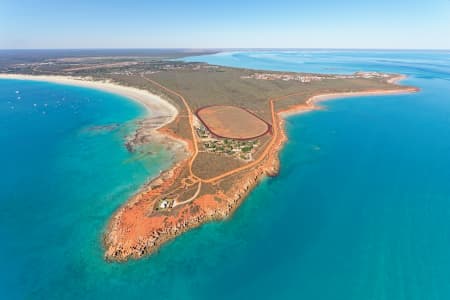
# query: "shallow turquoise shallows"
360, 209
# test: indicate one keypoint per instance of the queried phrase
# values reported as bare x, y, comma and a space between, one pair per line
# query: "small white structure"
164, 204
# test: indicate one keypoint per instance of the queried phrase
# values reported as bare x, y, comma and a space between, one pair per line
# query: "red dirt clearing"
232, 122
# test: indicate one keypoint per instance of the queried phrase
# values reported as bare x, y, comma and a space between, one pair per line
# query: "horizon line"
229, 48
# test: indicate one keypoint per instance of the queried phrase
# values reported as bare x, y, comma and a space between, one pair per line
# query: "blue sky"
403, 24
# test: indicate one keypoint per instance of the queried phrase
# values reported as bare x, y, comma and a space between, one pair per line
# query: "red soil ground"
232, 122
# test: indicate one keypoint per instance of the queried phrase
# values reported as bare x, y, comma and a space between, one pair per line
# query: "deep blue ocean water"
360, 210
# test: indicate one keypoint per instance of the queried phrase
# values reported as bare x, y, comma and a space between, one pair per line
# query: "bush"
247, 149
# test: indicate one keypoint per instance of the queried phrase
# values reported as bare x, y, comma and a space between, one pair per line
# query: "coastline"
159, 112
312, 102
154, 104
143, 236
132, 234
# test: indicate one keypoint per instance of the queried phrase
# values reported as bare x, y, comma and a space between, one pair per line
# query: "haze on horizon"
380, 24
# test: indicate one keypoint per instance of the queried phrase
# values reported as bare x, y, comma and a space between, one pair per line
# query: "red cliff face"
137, 230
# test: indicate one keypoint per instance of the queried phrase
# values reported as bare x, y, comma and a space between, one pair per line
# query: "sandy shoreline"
131, 233
149, 130
155, 105
311, 103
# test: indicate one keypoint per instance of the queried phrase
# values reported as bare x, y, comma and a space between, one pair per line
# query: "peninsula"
226, 125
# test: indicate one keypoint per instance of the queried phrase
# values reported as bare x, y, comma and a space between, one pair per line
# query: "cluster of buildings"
371, 75
303, 78
198, 67
285, 77
236, 148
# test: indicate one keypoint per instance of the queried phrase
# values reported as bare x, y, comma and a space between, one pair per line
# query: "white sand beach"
155, 105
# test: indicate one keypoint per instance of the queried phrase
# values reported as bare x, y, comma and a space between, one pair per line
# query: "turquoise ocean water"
360, 210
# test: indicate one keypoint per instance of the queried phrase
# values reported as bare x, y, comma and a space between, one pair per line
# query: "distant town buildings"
285, 77
307, 78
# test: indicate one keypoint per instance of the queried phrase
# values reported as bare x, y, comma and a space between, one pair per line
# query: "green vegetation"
201, 85
238, 149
